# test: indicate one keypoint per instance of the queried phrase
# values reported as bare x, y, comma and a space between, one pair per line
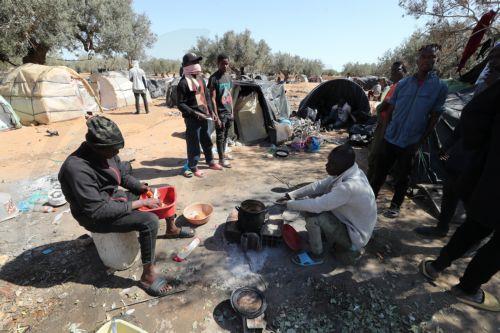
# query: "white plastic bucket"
117, 250
8, 209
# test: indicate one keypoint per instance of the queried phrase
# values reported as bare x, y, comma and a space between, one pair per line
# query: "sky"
334, 31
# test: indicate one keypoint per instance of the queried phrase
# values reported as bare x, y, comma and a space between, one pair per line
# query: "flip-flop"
188, 173
391, 213
303, 259
489, 303
423, 269
184, 233
155, 288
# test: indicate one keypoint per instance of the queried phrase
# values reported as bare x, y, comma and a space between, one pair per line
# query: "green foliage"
331, 72
360, 69
33, 28
245, 52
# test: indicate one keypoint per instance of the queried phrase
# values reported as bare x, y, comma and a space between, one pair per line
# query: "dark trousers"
143, 222
389, 155
222, 135
449, 203
137, 98
196, 134
375, 149
485, 263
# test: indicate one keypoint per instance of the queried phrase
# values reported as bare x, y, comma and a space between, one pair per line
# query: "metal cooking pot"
251, 216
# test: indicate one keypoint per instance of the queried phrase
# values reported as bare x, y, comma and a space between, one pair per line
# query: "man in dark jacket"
89, 180
193, 100
478, 187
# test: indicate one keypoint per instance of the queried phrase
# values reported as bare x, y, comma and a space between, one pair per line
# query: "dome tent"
328, 93
8, 118
45, 94
115, 89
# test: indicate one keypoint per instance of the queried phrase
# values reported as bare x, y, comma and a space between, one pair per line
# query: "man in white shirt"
341, 206
138, 78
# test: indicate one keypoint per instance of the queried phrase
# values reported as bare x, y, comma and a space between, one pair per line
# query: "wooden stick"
147, 300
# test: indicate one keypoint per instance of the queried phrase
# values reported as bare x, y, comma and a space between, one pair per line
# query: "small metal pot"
237, 293
251, 216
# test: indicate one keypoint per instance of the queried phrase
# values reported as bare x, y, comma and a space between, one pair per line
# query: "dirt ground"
68, 288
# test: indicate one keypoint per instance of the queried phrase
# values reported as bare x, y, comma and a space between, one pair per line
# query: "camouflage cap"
104, 133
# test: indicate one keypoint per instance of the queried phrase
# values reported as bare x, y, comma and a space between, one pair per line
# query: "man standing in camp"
193, 100
138, 78
220, 85
398, 72
414, 110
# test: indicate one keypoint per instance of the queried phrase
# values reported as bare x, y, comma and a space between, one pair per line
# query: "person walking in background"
193, 100
139, 85
220, 85
415, 108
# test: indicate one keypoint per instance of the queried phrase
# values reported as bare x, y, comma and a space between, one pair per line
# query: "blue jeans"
196, 134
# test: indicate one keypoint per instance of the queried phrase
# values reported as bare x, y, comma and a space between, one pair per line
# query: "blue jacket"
413, 103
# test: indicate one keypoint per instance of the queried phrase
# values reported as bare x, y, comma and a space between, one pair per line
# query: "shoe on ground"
431, 232
427, 270
392, 212
137, 112
215, 166
198, 173
225, 163
481, 299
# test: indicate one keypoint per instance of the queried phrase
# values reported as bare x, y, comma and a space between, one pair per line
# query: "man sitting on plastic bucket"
89, 179
341, 207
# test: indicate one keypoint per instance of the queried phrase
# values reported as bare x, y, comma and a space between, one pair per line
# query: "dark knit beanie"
104, 133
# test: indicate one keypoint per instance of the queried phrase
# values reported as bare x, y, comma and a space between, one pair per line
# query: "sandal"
155, 288
392, 212
198, 173
188, 173
185, 232
304, 259
425, 272
489, 303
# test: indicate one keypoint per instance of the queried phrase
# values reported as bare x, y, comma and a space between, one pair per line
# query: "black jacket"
481, 133
90, 185
186, 100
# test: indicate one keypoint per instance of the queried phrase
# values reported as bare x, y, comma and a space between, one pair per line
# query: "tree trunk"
36, 54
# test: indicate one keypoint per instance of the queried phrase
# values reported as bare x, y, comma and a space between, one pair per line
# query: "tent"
46, 94
259, 105
301, 78
429, 168
366, 82
171, 87
115, 89
157, 87
8, 118
328, 93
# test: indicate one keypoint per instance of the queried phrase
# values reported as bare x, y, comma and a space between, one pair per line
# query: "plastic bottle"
186, 250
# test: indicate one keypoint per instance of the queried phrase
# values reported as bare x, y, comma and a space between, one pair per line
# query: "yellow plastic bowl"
198, 213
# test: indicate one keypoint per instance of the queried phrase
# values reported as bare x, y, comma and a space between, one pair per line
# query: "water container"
117, 250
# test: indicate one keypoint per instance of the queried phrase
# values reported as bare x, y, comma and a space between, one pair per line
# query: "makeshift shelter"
429, 169
114, 88
366, 82
258, 107
8, 118
301, 78
158, 87
328, 93
171, 98
46, 94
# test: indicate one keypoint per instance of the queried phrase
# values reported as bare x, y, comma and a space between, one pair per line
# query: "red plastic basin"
168, 198
291, 237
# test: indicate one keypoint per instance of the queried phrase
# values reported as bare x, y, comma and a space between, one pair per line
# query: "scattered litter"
58, 217
74, 328
48, 251
52, 133
113, 306
63, 295
43, 209
129, 312
56, 198
186, 250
